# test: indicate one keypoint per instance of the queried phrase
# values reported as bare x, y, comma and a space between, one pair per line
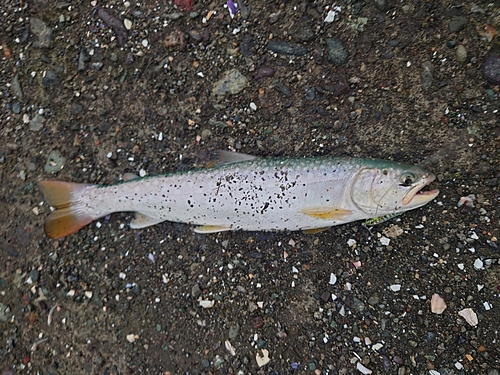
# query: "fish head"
384, 187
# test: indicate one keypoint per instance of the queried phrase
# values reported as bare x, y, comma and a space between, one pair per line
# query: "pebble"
426, 75
285, 48
16, 108
55, 162
234, 331
491, 69
337, 52
42, 32
244, 9
83, 58
36, 123
461, 53
302, 32
284, 89
382, 5
457, 24
232, 82
34, 275
49, 78
16, 88
264, 72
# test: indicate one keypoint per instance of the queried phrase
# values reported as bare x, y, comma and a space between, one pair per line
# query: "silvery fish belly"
249, 194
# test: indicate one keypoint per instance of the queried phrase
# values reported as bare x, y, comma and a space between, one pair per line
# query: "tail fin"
68, 216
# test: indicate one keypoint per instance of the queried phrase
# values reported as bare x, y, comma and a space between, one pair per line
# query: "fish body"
250, 194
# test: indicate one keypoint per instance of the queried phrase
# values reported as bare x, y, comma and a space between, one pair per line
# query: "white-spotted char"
247, 193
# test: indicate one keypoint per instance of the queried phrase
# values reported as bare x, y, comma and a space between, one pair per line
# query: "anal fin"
328, 213
143, 221
206, 229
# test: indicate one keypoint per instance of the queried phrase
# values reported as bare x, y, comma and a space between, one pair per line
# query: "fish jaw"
416, 197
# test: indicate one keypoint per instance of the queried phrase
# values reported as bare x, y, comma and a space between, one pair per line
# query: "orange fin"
68, 216
315, 230
327, 213
205, 229
143, 221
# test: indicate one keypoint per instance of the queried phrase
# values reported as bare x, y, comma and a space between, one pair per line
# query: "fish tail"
69, 214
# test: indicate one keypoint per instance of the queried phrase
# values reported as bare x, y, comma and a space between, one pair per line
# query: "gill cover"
391, 188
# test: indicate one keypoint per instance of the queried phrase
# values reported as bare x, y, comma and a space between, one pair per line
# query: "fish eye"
385, 172
407, 179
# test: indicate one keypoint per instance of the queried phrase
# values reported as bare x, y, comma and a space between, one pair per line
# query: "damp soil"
92, 90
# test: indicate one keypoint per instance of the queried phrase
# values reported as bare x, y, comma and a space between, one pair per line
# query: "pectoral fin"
330, 213
143, 221
205, 229
315, 230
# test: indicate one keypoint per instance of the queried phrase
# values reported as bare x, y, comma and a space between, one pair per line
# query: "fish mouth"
417, 197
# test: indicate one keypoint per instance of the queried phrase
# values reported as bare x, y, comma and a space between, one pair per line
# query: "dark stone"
491, 69
285, 48
50, 78
337, 52
457, 23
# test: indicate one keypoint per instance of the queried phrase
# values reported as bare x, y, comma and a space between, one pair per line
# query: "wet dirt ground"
91, 90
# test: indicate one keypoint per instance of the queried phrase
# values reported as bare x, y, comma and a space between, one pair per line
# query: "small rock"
262, 357
491, 69
232, 82
337, 52
42, 32
427, 75
34, 275
196, 291
16, 108
234, 331
461, 53
16, 88
36, 123
457, 23
281, 87
55, 162
82, 59
49, 78
302, 32
285, 48
244, 9
438, 305
382, 5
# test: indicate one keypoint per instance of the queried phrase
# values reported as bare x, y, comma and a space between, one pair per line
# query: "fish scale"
249, 194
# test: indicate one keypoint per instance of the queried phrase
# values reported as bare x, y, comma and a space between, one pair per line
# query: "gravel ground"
90, 90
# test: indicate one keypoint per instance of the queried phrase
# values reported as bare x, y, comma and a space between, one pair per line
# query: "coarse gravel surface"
91, 90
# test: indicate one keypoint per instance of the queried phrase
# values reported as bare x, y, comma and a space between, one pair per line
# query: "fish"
243, 192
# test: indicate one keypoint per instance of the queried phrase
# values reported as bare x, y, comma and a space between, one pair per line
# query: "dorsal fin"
223, 157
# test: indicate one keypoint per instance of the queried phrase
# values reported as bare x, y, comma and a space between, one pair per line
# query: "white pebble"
363, 369
395, 287
127, 23
333, 279
142, 173
206, 304
131, 338
478, 264
144, 42
160, 136
253, 106
122, 275
385, 241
